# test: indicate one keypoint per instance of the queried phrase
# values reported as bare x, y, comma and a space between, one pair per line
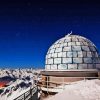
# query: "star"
29, 3
40, 8
18, 34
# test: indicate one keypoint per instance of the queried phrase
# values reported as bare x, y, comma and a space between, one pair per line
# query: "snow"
82, 90
20, 75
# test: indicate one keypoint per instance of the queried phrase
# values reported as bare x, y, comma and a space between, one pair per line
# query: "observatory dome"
72, 52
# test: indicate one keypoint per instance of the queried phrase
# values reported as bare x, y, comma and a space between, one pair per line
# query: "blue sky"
28, 28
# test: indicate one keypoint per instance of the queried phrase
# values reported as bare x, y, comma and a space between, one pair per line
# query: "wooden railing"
28, 95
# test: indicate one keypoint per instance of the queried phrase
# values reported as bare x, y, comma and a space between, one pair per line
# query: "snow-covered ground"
82, 90
21, 80
18, 73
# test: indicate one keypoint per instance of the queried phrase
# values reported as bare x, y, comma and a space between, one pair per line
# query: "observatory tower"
69, 59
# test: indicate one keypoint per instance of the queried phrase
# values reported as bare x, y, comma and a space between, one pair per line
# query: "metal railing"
60, 84
28, 95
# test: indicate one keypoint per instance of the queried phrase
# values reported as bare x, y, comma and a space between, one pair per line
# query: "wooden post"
24, 96
63, 84
47, 84
31, 93
84, 79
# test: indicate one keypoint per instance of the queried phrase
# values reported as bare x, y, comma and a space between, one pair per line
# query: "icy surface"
82, 90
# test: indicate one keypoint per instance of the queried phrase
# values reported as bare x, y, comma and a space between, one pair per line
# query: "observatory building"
69, 59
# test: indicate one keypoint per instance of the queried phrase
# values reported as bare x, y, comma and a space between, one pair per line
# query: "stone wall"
72, 52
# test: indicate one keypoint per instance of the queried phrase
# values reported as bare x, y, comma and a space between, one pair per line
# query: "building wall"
56, 80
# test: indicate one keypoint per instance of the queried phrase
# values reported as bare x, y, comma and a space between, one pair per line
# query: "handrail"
58, 83
42, 80
28, 94
51, 87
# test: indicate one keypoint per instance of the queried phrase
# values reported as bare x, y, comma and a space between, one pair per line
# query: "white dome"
72, 52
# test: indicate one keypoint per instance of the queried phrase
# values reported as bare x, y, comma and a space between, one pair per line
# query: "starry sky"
28, 28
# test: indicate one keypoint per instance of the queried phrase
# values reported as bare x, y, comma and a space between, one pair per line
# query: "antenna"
69, 34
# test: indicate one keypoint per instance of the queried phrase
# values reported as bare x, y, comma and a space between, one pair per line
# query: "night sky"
28, 28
